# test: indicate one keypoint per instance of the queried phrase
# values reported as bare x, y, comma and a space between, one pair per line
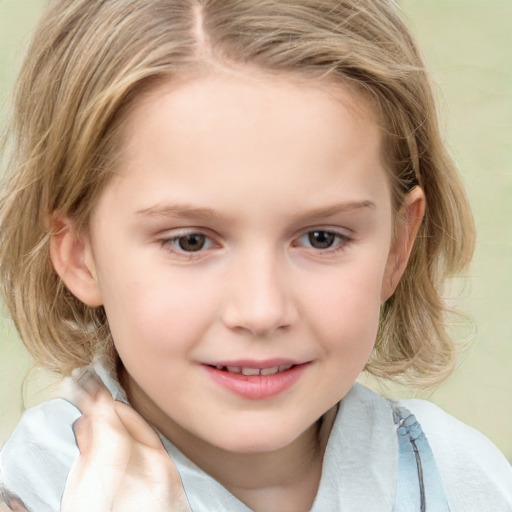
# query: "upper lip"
251, 363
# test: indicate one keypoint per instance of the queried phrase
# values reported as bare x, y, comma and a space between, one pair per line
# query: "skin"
123, 466
255, 164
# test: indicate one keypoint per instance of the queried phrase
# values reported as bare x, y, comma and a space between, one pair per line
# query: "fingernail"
88, 381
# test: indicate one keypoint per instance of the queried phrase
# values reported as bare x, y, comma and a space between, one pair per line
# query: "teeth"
254, 371
269, 371
250, 371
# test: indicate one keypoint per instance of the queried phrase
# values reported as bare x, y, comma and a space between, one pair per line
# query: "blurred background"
468, 47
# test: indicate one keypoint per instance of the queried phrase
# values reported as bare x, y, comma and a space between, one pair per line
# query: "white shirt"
359, 469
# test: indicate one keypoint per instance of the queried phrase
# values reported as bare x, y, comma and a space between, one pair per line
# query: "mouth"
256, 380
249, 370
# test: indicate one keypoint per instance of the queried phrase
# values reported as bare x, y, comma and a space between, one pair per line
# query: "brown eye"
321, 239
191, 243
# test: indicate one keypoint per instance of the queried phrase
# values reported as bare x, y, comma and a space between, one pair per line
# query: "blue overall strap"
419, 487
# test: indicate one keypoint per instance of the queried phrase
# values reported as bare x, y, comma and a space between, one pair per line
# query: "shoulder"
36, 459
475, 474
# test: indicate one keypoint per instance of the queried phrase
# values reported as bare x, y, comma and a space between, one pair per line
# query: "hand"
11, 503
123, 466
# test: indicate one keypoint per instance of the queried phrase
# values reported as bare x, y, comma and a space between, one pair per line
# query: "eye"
191, 243
187, 243
322, 239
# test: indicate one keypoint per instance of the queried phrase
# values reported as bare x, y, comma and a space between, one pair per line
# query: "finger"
109, 441
81, 431
105, 452
151, 482
88, 381
83, 389
137, 427
148, 455
85, 386
152, 478
94, 399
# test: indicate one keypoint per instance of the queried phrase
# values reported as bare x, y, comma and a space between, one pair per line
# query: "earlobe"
407, 226
71, 257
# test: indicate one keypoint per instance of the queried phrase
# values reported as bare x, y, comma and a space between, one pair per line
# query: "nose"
259, 299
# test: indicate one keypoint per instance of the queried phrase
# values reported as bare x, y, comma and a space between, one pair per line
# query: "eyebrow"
335, 209
179, 210
183, 211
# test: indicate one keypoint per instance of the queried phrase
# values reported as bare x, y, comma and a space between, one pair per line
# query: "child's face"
249, 226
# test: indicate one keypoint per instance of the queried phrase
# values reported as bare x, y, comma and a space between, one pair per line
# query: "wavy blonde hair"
89, 61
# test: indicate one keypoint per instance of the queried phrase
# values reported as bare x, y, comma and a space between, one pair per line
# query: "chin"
253, 446
259, 440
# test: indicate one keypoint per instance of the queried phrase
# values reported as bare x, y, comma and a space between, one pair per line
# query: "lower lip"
257, 387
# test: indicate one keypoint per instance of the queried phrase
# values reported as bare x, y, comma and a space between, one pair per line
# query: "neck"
284, 480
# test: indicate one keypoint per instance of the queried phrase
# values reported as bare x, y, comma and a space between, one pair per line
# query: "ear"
407, 225
72, 259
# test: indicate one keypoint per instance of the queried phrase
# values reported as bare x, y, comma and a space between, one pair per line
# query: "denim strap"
419, 486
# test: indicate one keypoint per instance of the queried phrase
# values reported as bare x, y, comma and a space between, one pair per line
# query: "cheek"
156, 315
345, 311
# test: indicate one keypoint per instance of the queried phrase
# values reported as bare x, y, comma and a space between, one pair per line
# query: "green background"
468, 46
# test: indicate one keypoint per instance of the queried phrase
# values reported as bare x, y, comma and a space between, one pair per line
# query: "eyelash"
342, 240
169, 243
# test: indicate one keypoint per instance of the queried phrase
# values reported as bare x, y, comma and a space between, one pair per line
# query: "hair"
89, 61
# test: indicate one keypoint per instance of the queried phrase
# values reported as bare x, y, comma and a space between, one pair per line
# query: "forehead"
230, 136
247, 99
244, 80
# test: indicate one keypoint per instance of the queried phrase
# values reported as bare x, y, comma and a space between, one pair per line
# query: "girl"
216, 215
